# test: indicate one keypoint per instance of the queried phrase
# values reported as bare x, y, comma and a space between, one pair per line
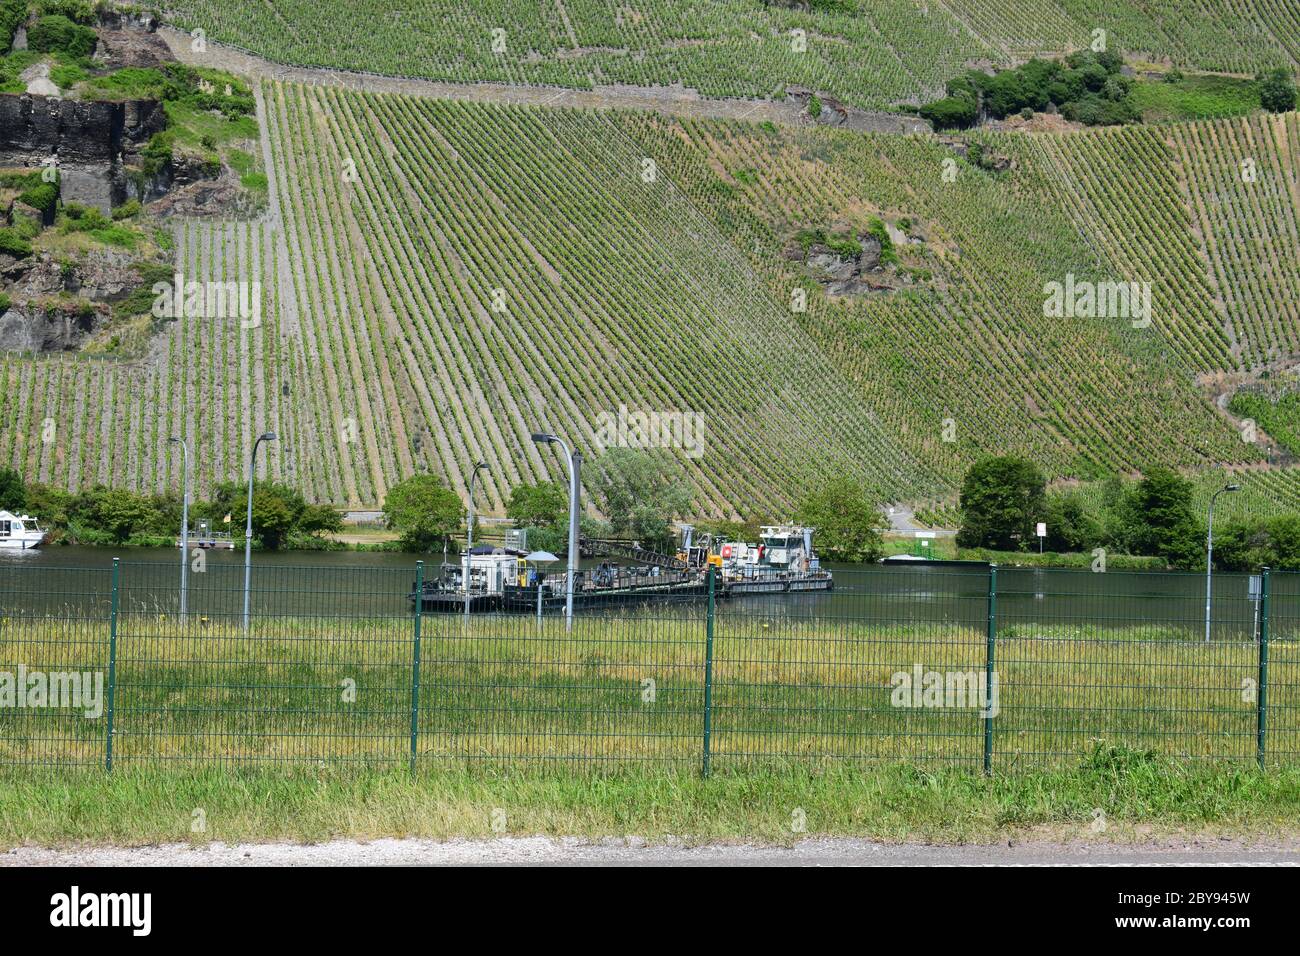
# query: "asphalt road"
633, 852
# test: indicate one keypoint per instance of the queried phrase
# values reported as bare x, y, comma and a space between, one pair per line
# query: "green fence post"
1261, 690
415, 660
708, 672
989, 650
112, 671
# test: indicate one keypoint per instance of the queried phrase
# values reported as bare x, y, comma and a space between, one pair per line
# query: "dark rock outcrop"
34, 329
93, 132
91, 140
130, 41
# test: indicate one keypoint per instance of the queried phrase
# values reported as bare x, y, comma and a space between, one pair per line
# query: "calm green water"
77, 582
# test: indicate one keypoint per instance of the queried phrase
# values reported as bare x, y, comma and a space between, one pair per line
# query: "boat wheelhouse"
783, 560
20, 532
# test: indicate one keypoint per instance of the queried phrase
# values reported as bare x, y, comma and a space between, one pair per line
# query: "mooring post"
415, 660
989, 657
708, 672
112, 669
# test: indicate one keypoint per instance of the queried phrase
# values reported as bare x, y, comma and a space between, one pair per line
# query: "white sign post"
1042, 533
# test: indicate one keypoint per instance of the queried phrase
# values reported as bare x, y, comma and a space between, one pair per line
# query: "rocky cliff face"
44, 330
91, 133
89, 139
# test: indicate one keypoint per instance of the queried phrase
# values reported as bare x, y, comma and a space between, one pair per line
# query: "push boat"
503, 579
20, 532
782, 562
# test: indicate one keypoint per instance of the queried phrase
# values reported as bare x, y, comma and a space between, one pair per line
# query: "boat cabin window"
4, 529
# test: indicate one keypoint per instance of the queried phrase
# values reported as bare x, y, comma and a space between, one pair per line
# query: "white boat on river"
20, 532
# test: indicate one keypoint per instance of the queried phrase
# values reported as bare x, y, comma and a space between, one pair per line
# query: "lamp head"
543, 437
1232, 488
268, 436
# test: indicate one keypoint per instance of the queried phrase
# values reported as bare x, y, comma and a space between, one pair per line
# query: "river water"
78, 581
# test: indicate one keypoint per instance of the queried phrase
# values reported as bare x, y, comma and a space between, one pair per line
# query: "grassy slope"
888, 803
1194, 98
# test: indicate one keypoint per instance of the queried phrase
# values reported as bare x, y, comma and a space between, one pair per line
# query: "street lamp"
1209, 553
575, 492
248, 527
469, 544
185, 522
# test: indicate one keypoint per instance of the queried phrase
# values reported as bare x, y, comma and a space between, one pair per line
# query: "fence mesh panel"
1283, 691
934, 663
54, 626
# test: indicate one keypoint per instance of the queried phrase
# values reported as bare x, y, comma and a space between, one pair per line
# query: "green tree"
848, 524
543, 505
1070, 526
1276, 91
1001, 500
58, 34
1162, 520
952, 112
640, 494
51, 505
279, 512
13, 490
1250, 545
12, 15
423, 511
115, 513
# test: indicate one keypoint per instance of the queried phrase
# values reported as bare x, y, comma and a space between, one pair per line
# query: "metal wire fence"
935, 663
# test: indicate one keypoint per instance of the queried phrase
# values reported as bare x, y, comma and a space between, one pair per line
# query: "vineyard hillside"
439, 278
869, 53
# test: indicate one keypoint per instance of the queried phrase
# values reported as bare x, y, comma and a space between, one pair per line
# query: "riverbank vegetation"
1147, 522
101, 515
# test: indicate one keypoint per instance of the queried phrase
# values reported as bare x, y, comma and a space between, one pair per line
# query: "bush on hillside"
58, 34
13, 244
1277, 92
12, 15
1076, 87
952, 112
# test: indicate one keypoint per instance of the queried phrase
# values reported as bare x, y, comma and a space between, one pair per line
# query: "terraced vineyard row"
1208, 212
521, 272
219, 380
963, 361
886, 52
1231, 35
76, 422
872, 54
1243, 180
1122, 188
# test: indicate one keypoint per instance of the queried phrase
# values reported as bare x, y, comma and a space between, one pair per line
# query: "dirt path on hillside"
673, 100
631, 851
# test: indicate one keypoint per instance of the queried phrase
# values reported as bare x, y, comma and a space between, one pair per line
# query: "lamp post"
185, 523
575, 492
1209, 553
248, 526
469, 542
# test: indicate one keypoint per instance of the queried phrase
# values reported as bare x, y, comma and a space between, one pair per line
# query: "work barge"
504, 580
